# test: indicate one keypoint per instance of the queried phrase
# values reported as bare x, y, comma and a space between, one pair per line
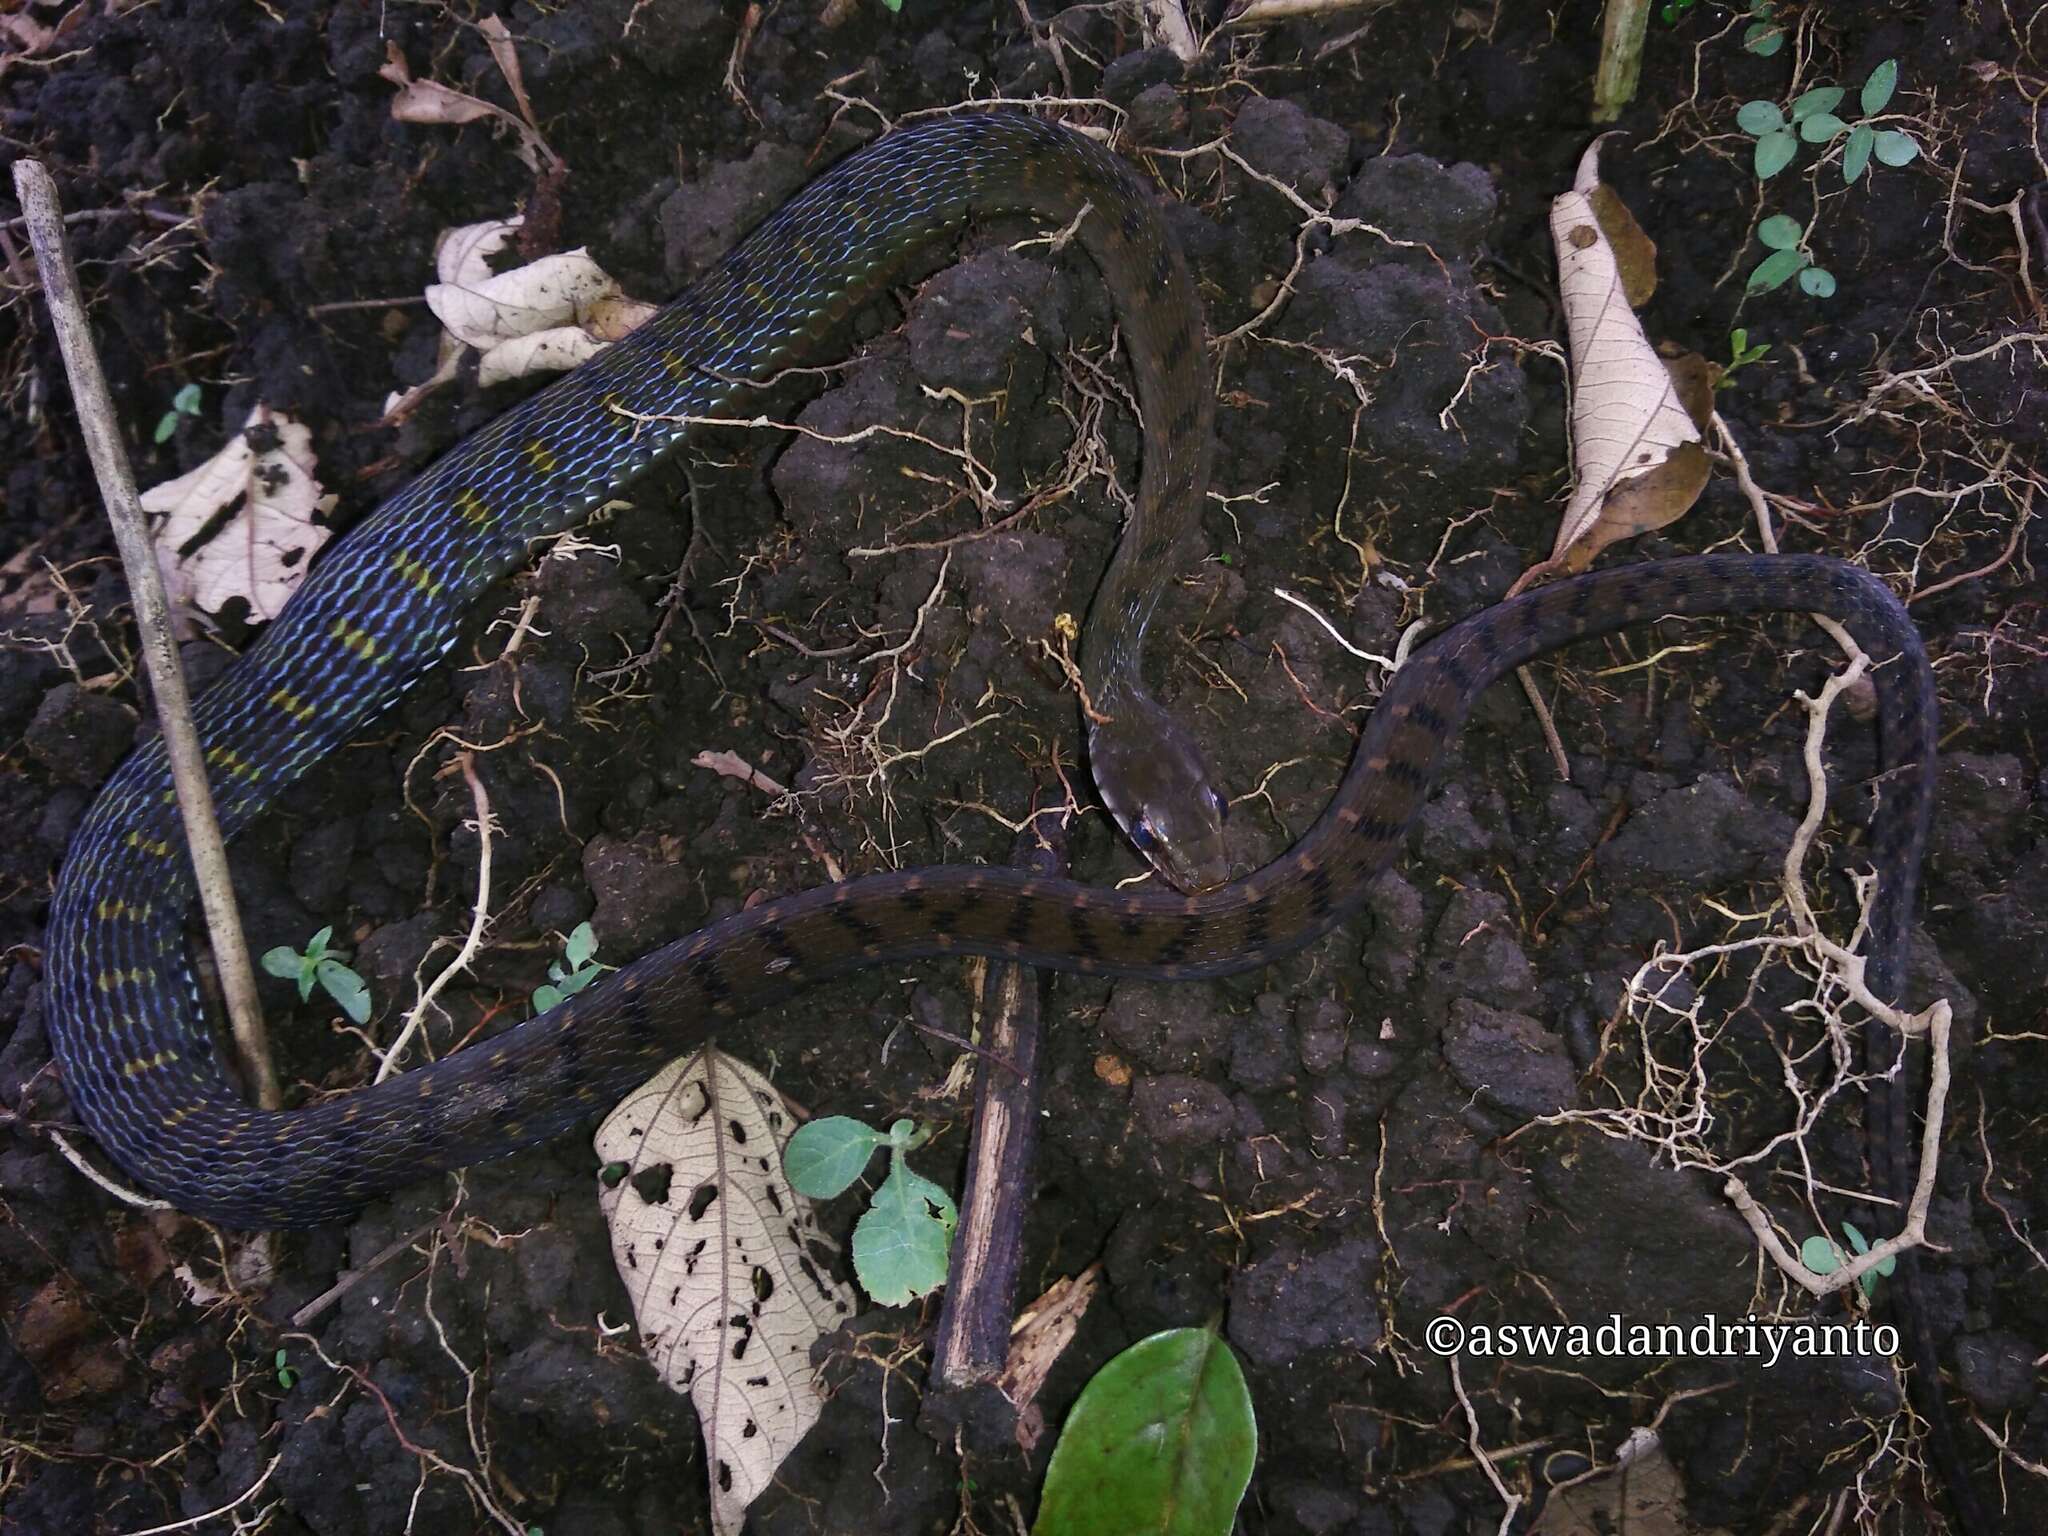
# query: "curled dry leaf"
241, 524
716, 1250
544, 317
428, 101
1636, 448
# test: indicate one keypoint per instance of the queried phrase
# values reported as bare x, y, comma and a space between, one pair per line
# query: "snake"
388, 599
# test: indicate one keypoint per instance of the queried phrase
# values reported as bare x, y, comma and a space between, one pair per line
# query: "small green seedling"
328, 967
1813, 120
573, 972
184, 403
901, 1241
1789, 257
1740, 355
1823, 1257
286, 1376
1673, 11
1763, 36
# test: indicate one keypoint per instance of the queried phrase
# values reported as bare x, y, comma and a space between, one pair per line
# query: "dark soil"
1319, 1153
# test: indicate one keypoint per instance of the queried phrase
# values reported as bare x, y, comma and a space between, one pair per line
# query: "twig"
213, 1514
479, 920
1512, 1500
38, 195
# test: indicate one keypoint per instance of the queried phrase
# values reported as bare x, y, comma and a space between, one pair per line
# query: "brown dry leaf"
268, 498
1635, 444
73, 1354
429, 101
1642, 1496
1038, 1338
714, 1247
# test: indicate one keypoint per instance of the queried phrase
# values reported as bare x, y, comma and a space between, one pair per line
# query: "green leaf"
166, 428
1780, 233
1738, 341
900, 1244
1856, 154
283, 961
187, 400
1820, 1256
581, 945
346, 988
1773, 270
1822, 100
1896, 148
1160, 1443
1877, 90
827, 1155
1856, 1239
1817, 282
1774, 151
546, 997
1757, 118
1821, 127
1763, 38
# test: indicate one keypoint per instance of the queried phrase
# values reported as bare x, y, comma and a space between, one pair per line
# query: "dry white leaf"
268, 497
715, 1248
1628, 420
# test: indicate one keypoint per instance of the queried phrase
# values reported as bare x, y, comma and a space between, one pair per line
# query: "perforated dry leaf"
715, 1248
1635, 445
241, 524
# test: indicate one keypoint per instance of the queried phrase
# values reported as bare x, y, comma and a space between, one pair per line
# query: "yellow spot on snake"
756, 292
672, 360
472, 507
155, 847
180, 1115
234, 762
357, 642
292, 705
539, 457
415, 573
142, 1064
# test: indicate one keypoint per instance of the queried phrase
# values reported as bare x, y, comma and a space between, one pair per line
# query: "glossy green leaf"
1773, 270
827, 1155
1763, 38
1856, 154
1821, 127
1817, 282
1896, 148
1757, 118
1161, 1443
900, 1244
1815, 102
1779, 232
1774, 151
1877, 90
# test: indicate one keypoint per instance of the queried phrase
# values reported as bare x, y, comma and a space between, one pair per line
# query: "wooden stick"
39, 208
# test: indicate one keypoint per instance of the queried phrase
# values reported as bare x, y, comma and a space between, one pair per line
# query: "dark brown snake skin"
137, 1054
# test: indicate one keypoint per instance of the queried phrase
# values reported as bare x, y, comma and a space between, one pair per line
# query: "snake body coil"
137, 1055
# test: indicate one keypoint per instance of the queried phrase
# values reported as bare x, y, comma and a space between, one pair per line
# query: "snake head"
1152, 777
